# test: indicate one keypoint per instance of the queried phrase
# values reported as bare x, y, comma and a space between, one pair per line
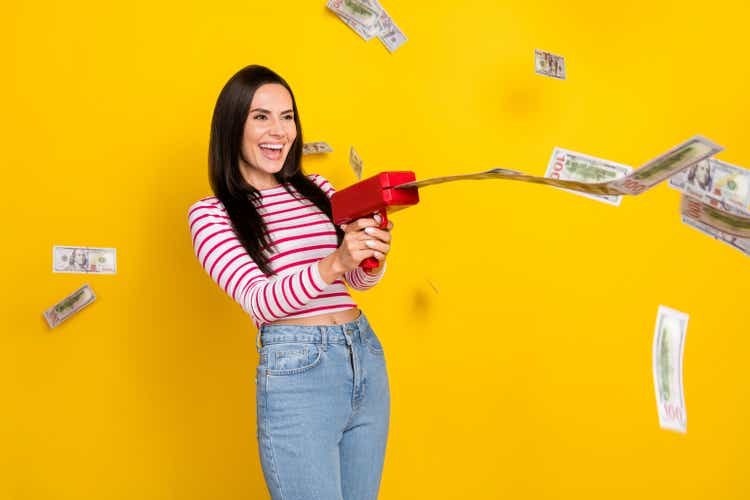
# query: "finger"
365, 222
365, 254
378, 220
378, 233
377, 245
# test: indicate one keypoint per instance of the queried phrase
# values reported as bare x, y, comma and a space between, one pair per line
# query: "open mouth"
271, 151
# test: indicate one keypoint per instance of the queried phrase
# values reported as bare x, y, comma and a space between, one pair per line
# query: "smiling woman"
268, 241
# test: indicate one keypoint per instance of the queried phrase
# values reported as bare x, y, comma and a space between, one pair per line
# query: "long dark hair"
224, 152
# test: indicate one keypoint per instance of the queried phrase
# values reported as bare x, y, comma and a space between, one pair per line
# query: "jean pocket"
372, 341
290, 359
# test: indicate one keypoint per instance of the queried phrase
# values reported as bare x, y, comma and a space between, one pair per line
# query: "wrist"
336, 266
330, 268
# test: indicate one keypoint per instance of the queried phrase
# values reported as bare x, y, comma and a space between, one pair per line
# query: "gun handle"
371, 263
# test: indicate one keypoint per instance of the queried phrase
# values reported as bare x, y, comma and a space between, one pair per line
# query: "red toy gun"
377, 194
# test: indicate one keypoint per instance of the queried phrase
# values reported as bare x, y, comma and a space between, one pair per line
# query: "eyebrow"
266, 111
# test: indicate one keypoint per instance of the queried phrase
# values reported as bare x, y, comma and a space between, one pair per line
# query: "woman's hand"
362, 239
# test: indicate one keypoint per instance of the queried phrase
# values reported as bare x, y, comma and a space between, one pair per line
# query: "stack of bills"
369, 19
609, 178
716, 201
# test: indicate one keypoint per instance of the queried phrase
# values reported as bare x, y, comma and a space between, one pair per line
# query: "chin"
271, 167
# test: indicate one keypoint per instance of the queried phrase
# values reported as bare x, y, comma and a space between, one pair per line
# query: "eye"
289, 117
260, 117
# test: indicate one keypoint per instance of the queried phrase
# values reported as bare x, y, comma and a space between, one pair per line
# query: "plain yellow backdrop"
517, 319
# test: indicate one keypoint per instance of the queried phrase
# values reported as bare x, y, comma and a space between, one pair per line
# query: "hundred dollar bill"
69, 306
388, 33
717, 183
733, 224
312, 148
569, 165
366, 34
636, 182
369, 19
355, 162
356, 10
86, 260
548, 64
668, 349
737, 242
676, 159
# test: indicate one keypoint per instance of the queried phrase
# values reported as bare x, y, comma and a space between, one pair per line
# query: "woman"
267, 239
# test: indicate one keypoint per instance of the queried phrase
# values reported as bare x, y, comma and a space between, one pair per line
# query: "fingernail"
369, 230
378, 254
370, 243
377, 218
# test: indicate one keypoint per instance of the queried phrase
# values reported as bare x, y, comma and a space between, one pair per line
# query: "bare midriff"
336, 318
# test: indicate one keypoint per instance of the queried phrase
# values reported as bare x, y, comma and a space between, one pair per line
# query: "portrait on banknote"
76, 260
701, 175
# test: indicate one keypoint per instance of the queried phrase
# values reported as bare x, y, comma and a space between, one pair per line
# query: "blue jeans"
323, 406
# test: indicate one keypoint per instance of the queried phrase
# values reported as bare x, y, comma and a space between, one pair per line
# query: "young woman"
267, 239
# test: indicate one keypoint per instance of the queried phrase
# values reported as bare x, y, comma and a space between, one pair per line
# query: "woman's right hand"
354, 249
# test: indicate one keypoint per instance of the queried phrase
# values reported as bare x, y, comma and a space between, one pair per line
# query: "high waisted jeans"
323, 407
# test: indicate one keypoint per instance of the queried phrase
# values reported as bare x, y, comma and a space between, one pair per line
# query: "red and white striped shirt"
302, 236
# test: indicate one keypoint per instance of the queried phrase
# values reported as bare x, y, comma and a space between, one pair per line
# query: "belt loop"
324, 338
257, 340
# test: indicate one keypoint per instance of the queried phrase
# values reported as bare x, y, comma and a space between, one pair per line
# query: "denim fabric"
323, 405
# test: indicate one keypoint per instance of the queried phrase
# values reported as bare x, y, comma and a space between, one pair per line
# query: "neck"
258, 179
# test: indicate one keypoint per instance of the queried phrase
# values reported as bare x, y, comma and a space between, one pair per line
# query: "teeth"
272, 146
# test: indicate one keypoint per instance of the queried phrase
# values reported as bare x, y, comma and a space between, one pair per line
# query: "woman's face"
269, 133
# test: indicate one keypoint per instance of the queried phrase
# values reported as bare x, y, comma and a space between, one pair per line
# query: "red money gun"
376, 194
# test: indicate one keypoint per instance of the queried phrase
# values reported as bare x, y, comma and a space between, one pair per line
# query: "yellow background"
527, 375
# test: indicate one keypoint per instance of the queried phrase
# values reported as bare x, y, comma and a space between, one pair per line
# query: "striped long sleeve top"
301, 234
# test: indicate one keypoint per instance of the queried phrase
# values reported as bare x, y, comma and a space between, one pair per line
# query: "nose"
277, 128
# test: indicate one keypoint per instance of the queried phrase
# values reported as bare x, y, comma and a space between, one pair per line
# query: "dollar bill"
366, 34
676, 159
636, 182
356, 10
87, 260
570, 165
313, 148
369, 19
732, 224
736, 242
668, 350
717, 183
69, 306
388, 33
355, 162
548, 64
